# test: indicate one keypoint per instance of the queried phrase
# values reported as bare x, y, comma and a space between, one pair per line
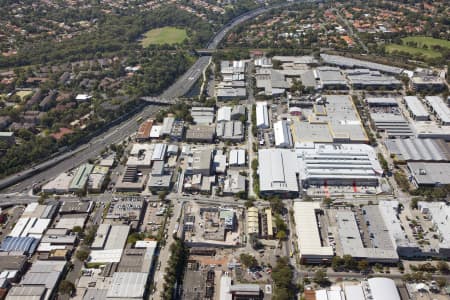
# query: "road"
67, 161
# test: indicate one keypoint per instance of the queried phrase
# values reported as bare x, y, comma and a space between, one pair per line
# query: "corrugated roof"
127, 285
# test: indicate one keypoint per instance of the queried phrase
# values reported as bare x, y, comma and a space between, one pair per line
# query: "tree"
77, 229
443, 267
363, 265
441, 282
320, 277
162, 195
82, 254
66, 287
248, 260
281, 235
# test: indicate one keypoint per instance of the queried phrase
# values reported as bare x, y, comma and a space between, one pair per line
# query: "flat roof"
277, 170
309, 241
416, 107
439, 107
413, 149
352, 63
383, 288
117, 237
128, 285
430, 173
101, 236
81, 177
439, 212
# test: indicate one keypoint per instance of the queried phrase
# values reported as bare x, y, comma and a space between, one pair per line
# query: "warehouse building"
406, 150
140, 155
237, 158
253, 221
59, 185
101, 236
365, 78
439, 213
389, 211
130, 181
427, 83
202, 115
232, 131
429, 173
439, 109
233, 183
393, 125
337, 164
44, 273
262, 115
278, 174
226, 93
200, 162
160, 178
177, 132
351, 242
310, 244
351, 63
335, 122
381, 101
432, 130
416, 109
224, 114
80, 178
167, 126
144, 130
159, 152
330, 78
201, 134
127, 285
282, 133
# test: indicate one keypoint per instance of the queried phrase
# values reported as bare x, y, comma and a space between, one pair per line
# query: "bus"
139, 119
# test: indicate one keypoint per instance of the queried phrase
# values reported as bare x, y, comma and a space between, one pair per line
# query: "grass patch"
420, 46
427, 53
425, 40
164, 35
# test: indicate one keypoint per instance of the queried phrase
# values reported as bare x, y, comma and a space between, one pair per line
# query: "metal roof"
117, 237
282, 132
127, 285
277, 170
159, 153
383, 289
309, 241
262, 115
19, 244
439, 107
430, 173
416, 107
419, 149
352, 63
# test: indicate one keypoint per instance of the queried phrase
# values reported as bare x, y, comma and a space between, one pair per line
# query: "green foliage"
90, 234
320, 277
174, 269
383, 162
282, 276
135, 236
82, 254
66, 287
248, 260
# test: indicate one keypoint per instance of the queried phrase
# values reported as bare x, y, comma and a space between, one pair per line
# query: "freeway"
45, 171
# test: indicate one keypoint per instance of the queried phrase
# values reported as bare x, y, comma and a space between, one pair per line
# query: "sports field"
164, 35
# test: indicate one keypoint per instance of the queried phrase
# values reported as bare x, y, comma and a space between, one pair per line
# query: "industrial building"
159, 152
59, 185
271, 82
101, 236
232, 131
46, 274
381, 101
237, 158
310, 244
229, 291
200, 134
438, 213
177, 132
130, 181
409, 150
351, 63
262, 115
439, 109
352, 244
337, 164
167, 125
234, 183
203, 115
144, 130
278, 174
416, 109
432, 130
429, 173
337, 122
127, 285
393, 125
160, 178
381, 289
365, 78
97, 179
140, 155
282, 133
330, 78
427, 83
80, 179
253, 221
224, 114
225, 93
200, 162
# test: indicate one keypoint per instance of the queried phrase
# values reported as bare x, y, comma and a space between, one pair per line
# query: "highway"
23, 181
